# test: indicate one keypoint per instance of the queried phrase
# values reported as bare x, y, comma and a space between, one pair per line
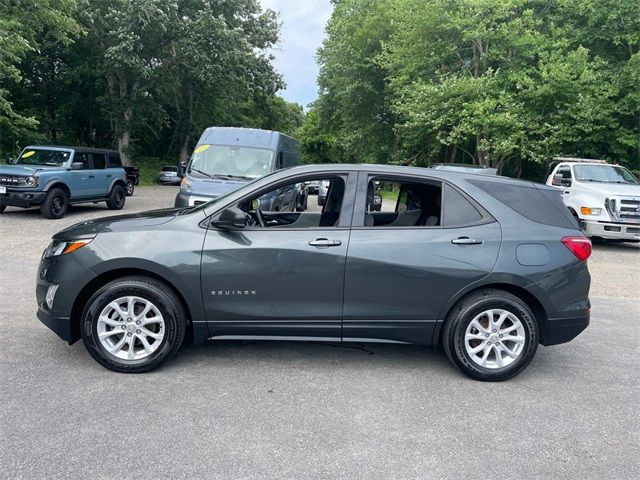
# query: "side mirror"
77, 166
182, 169
230, 219
11, 160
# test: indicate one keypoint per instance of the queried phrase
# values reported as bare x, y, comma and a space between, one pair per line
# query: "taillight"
579, 246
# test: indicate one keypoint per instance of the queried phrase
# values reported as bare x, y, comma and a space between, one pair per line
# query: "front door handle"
92, 176
108, 175
324, 243
466, 241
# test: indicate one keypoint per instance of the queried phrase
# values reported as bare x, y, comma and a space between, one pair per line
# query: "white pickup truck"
604, 198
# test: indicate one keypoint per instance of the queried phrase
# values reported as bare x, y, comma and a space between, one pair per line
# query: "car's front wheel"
2, 207
133, 324
491, 335
116, 198
55, 204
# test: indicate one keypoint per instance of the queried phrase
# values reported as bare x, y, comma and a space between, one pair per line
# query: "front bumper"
189, 200
612, 230
71, 276
19, 197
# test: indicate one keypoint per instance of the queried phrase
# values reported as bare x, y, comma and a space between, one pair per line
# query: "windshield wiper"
200, 171
240, 177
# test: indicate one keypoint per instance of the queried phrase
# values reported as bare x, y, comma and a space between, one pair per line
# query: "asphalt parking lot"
312, 410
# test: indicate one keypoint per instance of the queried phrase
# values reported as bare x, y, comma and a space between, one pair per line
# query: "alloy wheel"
131, 328
495, 338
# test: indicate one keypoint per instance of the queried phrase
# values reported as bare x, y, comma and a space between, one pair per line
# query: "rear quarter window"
540, 205
114, 160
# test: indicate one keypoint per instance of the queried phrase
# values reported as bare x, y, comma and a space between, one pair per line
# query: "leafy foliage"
495, 82
145, 76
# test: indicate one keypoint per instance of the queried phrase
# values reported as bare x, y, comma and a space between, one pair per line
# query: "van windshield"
41, 156
230, 162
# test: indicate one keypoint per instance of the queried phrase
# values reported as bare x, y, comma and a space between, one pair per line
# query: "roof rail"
580, 160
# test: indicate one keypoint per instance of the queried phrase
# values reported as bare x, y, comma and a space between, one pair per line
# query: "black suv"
487, 267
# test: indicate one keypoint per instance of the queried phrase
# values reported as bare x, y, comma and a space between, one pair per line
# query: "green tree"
35, 29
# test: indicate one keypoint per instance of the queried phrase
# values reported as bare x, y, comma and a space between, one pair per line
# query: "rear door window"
99, 161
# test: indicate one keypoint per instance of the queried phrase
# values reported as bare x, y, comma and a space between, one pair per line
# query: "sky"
301, 34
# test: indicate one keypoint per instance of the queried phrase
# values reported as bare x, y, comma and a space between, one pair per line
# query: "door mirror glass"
230, 219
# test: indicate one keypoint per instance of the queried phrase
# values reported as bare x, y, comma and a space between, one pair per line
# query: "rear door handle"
324, 243
108, 175
92, 176
466, 241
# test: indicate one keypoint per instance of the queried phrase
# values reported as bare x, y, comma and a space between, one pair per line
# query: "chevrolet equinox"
486, 267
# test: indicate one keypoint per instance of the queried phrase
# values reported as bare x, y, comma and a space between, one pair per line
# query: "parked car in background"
603, 198
169, 175
313, 187
374, 198
227, 158
487, 267
54, 178
323, 188
133, 179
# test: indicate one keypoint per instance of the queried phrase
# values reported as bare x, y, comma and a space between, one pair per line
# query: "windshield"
38, 156
604, 174
231, 161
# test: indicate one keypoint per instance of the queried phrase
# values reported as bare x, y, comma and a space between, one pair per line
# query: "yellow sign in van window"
28, 154
201, 148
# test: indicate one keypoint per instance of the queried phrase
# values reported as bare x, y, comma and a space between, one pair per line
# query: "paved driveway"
312, 410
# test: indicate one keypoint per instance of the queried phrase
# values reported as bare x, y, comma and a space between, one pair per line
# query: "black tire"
175, 322
116, 198
130, 187
2, 207
55, 204
453, 334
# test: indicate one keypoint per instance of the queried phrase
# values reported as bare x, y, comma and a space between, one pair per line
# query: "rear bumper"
611, 230
21, 198
562, 330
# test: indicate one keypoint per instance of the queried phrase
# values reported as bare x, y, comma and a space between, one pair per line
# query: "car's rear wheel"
133, 324
130, 187
116, 198
55, 204
491, 335
2, 208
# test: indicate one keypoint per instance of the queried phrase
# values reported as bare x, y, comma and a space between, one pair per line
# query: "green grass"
149, 169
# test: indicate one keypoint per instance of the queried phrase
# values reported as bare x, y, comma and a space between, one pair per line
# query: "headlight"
590, 211
185, 184
57, 247
31, 181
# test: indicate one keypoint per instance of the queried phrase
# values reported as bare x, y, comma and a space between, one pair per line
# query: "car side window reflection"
296, 205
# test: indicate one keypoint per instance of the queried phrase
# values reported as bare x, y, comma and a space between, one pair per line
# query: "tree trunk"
124, 136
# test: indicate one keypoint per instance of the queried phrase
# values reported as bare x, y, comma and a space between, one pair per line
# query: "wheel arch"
118, 181
530, 299
200, 332
58, 184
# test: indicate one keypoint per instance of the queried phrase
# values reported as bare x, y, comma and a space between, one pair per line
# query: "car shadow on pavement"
284, 354
604, 245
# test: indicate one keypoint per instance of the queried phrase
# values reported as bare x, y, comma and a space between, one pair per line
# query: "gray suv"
486, 267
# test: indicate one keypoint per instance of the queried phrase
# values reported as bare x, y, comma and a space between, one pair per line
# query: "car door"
400, 275
562, 178
284, 280
80, 180
102, 175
